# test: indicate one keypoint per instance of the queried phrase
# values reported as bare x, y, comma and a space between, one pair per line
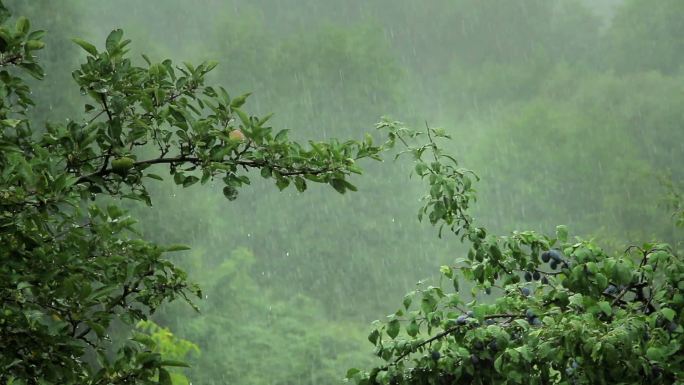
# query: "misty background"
569, 111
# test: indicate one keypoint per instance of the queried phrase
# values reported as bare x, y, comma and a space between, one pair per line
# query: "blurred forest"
569, 111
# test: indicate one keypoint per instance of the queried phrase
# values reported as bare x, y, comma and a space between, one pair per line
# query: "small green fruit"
122, 165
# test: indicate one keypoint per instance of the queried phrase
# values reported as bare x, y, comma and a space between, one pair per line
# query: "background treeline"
570, 111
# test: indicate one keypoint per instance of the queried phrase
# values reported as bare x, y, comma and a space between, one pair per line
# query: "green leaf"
34, 45
352, 372
668, 313
97, 328
190, 180
525, 353
164, 377
113, 40
393, 328
174, 363
86, 46
339, 185
239, 101
145, 340
446, 271
300, 183
408, 299
176, 247
178, 178
421, 168
349, 186
154, 176
412, 328
10, 122
36, 35
562, 233
498, 363
601, 281
373, 336
622, 274
265, 119
281, 136
243, 117
655, 354
33, 69
282, 183
428, 303
23, 25
577, 300
605, 307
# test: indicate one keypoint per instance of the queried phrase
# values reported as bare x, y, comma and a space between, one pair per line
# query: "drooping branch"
196, 161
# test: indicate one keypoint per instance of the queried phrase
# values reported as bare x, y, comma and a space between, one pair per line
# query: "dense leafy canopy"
70, 269
564, 310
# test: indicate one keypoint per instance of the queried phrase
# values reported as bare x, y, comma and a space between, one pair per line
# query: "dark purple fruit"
671, 327
555, 255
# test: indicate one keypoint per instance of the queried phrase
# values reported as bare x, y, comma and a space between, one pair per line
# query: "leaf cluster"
542, 309
70, 266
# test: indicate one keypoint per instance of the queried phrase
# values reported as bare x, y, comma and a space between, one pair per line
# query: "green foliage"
531, 145
566, 116
510, 62
191, 126
174, 350
646, 36
543, 309
323, 84
252, 336
56, 321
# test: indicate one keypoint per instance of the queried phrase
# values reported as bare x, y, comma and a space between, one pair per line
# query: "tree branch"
194, 160
12, 59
